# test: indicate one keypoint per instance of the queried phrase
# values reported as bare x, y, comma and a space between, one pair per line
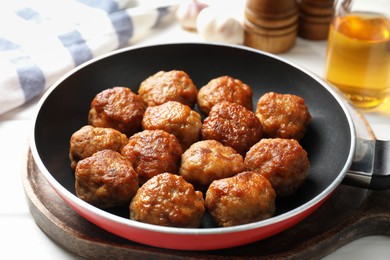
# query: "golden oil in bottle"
358, 57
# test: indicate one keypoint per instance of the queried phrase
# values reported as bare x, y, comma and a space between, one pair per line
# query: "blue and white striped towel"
41, 40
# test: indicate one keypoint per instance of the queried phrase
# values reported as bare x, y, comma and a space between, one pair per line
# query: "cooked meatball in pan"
232, 125
282, 161
152, 152
106, 179
283, 115
224, 88
174, 85
168, 200
89, 140
244, 198
209, 160
174, 118
117, 108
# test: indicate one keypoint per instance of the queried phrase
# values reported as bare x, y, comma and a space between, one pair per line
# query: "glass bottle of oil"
358, 53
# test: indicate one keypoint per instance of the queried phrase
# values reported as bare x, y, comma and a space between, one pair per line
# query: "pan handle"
371, 165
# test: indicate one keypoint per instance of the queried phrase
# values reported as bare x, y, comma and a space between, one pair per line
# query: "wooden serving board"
350, 213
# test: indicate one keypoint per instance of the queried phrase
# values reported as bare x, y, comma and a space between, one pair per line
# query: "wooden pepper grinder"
271, 25
314, 18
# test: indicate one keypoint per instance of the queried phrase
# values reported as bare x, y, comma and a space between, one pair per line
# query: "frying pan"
330, 139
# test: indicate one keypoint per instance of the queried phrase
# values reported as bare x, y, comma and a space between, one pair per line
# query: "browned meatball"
224, 88
117, 108
209, 160
282, 161
168, 200
244, 198
283, 115
88, 140
174, 118
232, 125
152, 152
106, 179
174, 85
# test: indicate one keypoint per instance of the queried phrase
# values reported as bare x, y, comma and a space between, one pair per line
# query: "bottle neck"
344, 8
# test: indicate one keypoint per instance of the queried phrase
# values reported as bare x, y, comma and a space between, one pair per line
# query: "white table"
21, 237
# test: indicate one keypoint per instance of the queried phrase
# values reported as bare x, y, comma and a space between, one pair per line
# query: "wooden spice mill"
273, 25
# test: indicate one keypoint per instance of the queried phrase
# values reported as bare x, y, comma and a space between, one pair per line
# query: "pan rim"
63, 192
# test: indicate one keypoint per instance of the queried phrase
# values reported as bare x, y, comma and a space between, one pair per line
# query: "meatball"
283, 115
244, 198
174, 85
282, 161
224, 88
106, 179
168, 200
152, 152
233, 125
117, 108
89, 140
209, 160
174, 118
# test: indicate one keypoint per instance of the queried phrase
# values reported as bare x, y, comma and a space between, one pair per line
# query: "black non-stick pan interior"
65, 110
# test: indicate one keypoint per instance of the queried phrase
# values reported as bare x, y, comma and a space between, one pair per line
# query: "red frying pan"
330, 140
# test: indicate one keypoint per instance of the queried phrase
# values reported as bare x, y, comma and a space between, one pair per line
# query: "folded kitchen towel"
42, 40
